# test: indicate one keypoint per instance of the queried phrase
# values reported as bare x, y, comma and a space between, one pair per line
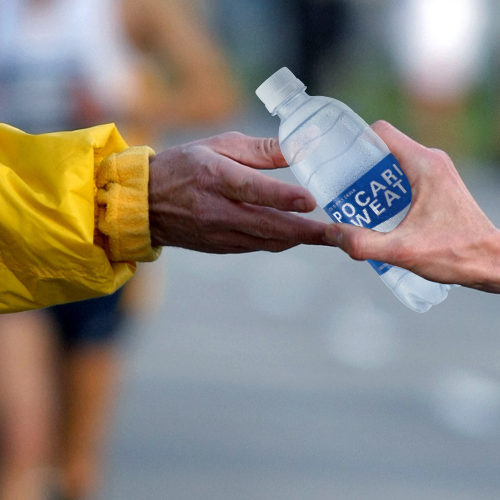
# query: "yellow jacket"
74, 215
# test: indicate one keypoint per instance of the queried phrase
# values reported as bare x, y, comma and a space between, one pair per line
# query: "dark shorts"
89, 322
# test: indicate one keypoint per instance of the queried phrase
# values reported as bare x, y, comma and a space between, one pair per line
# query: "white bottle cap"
278, 87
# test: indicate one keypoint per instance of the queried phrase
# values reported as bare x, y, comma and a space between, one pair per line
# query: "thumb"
359, 242
257, 152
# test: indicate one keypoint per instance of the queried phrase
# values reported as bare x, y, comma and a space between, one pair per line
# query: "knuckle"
189, 154
233, 141
401, 254
404, 249
186, 151
209, 175
441, 160
248, 189
265, 227
204, 180
198, 212
355, 247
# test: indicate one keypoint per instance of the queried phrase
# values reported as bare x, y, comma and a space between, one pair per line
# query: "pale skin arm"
445, 237
171, 35
209, 196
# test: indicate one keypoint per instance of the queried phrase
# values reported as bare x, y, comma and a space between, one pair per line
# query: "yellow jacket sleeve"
74, 215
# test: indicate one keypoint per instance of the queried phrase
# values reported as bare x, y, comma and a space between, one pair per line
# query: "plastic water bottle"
349, 170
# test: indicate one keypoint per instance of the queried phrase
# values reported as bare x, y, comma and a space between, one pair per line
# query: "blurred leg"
87, 334
27, 406
89, 375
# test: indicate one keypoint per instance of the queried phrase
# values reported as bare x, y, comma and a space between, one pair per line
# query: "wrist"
122, 205
488, 260
154, 200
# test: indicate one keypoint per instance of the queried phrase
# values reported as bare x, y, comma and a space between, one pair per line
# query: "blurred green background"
359, 64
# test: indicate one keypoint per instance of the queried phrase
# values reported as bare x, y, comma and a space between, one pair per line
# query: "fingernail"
301, 205
332, 235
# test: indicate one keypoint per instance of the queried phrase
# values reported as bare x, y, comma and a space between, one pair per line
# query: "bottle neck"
291, 103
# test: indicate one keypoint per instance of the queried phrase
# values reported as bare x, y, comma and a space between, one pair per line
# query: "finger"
257, 152
409, 152
267, 223
250, 186
360, 243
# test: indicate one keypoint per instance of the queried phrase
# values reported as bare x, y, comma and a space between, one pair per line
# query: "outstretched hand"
445, 237
209, 196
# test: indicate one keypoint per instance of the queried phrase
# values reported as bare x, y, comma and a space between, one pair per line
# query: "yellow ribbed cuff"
122, 208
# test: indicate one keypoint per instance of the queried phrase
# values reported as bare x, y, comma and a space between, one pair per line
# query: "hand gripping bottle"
349, 170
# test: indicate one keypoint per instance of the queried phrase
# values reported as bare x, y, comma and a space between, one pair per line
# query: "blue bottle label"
377, 196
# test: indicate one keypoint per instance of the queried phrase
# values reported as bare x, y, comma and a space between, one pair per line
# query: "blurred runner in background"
322, 27
148, 65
